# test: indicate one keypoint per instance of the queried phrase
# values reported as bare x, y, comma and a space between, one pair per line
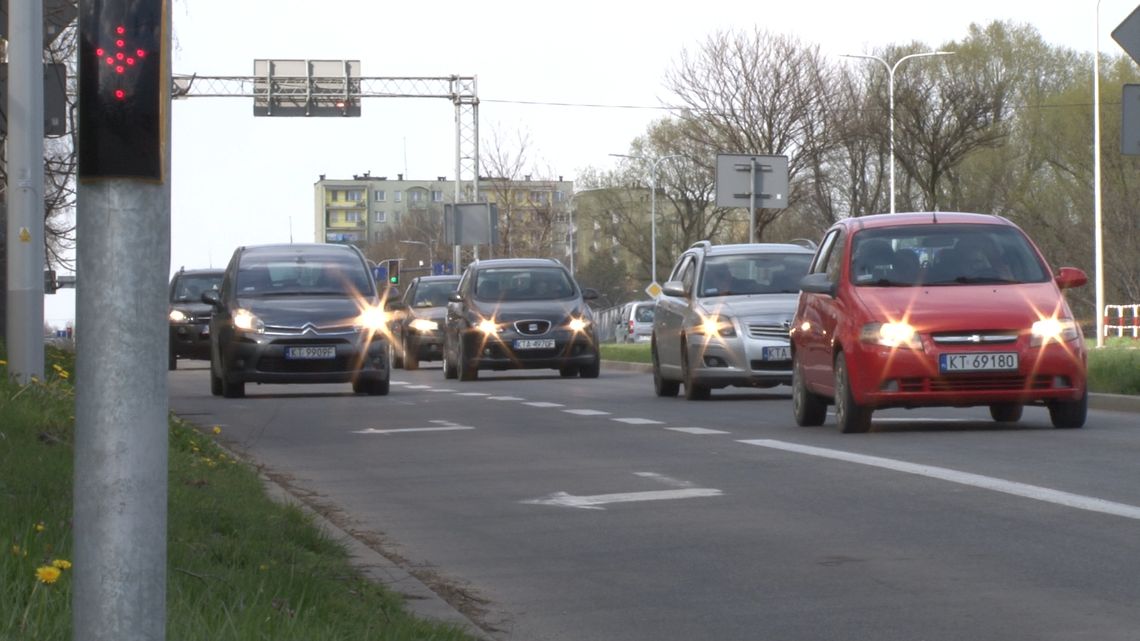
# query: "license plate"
310, 353
978, 362
783, 353
534, 343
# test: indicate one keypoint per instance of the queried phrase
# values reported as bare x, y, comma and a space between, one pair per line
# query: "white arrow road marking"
684, 490
637, 421
1024, 490
543, 404
587, 412
696, 430
442, 426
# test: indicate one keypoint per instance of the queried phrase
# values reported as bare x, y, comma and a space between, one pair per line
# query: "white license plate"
978, 362
534, 343
776, 354
310, 353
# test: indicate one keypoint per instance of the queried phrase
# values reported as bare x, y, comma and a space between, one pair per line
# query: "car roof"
201, 271
309, 249
923, 218
515, 262
436, 278
757, 248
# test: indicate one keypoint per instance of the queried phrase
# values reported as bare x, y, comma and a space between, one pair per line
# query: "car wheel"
851, 417
468, 371
593, 369
1006, 412
810, 409
661, 386
232, 389
449, 371
371, 386
694, 391
567, 371
410, 363
1070, 414
215, 381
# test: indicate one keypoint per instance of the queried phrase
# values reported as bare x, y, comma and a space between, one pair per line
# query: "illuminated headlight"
177, 316
578, 324
373, 319
248, 321
891, 335
424, 325
488, 327
716, 325
1052, 330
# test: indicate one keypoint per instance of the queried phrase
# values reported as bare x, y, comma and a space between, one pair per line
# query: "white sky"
237, 179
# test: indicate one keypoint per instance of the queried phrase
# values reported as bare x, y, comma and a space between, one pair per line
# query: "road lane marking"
665, 480
637, 421
696, 430
587, 412
441, 426
505, 398
419, 387
594, 502
473, 394
543, 404
1024, 490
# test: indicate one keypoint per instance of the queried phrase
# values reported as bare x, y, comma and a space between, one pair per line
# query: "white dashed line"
543, 404
697, 430
637, 421
1023, 490
419, 387
473, 394
587, 412
505, 398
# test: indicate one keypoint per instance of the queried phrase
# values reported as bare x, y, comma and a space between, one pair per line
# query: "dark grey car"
520, 313
189, 316
298, 313
417, 331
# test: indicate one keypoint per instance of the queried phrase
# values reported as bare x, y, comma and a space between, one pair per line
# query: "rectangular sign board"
734, 186
471, 224
306, 88
1130, 125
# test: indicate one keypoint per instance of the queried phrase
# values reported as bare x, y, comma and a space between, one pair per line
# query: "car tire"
215, 382
371, 386
661, 386
694, 391
449, 371
851, 417
1070, 415
568, 371
809, 408
593, 369
232, 389
1006, 412
172, 364
468, 371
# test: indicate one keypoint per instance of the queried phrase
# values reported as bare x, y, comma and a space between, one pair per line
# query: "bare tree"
529, 219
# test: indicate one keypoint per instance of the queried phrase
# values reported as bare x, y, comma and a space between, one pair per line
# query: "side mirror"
1069, 277
673, 288
212, 298
589, 293
455, 297
818, 283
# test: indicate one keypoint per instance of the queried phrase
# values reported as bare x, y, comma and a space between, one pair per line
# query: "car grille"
310, 329
758, 330
975, 383
984, 337
532, 327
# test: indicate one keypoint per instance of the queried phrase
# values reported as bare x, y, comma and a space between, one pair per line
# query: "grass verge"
240, 566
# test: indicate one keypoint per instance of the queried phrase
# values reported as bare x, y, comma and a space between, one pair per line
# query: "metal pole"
653, 222
26, 262
456, 249
1098, 246
121, 399
752, 202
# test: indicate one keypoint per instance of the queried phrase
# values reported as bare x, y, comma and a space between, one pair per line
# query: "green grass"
1114, 369
240, 565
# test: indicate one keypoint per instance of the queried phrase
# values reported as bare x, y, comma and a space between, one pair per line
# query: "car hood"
295, 311
774, 306
551, 310
191, 308
961, 307
435, 313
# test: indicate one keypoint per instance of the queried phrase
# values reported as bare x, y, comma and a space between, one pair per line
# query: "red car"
935, 309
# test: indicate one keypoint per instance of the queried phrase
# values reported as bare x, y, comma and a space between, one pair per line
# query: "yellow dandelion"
64, 375
217, 430
47, 574
3, 362
15, 550
263, 567
62, 564
39, 526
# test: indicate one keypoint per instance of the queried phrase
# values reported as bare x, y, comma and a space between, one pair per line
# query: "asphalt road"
590, 509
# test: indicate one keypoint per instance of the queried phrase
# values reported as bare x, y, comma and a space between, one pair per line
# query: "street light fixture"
891, 99
652, 207
426, 248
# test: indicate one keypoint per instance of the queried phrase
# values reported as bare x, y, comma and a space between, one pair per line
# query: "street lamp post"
891, 100
1098, 246
652, 208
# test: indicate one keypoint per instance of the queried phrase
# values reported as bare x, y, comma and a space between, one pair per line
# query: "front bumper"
499, 352
740, 361
884, 377
425, 346
190, 340
261, 358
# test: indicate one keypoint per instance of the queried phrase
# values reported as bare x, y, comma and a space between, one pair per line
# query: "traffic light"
123, 86
50, 283
394, 271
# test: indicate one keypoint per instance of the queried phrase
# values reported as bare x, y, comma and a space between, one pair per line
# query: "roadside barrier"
1127, 320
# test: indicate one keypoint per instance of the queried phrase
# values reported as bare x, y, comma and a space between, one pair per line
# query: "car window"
431, 293
286, 275
190, 287
687, 273
753, 273
523, 283
643, 314
834, 263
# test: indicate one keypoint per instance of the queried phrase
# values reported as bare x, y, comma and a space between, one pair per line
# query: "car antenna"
934, 214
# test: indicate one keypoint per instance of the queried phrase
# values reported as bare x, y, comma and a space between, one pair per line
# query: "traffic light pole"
25, 239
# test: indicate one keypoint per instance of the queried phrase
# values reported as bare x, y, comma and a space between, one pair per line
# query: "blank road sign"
734, 187
1130, 125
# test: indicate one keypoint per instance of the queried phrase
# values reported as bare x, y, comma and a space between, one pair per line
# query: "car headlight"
1059, 330
892, 334
424, 325
248, 321
373, 319
716, 325
578, 324
177, 316
488, 326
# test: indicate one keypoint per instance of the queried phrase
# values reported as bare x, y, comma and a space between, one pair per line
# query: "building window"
558, 196
334, 195
397, 218
381, 217
399, 196
542, 197
436, 196
415, 196
351, 216
378, 195
354, 195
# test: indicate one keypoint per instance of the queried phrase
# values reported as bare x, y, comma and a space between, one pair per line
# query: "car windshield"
755, 273
432, 293
523, 283
315, 275
944, 255
190, 287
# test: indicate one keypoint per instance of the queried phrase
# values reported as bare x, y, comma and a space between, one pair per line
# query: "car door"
670, 313
456, 309
819, 316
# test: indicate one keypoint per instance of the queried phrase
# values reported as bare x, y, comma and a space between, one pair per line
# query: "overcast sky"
582, 79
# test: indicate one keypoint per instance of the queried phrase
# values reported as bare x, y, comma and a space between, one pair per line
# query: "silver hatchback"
724, 316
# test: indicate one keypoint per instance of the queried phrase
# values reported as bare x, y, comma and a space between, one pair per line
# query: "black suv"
520, 313
189, 315
298, 313
417, 331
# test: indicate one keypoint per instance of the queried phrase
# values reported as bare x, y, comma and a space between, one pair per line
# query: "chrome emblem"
975, 338
533, 327
308, 328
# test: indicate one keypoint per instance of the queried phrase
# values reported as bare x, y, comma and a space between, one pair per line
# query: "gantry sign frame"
281, 87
